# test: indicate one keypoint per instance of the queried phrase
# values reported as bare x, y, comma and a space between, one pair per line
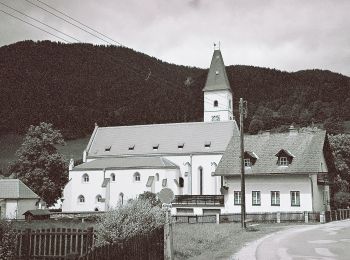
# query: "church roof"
217, 77
160, 139
123, 163
15, 189
306, 147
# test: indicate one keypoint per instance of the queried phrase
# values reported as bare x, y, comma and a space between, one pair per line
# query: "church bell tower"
217, 91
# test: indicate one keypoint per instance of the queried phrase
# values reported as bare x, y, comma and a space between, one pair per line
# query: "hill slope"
75, 85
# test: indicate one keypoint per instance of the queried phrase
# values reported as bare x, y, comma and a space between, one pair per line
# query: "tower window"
81, 199
85, 178
230, 103
216, 103
112, 177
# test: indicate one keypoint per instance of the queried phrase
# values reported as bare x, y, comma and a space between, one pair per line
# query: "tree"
342, 200
333, 125
151, 198
255, 126
38, 163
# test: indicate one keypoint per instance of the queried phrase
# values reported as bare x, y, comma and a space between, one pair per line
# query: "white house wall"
265, 184
11, 209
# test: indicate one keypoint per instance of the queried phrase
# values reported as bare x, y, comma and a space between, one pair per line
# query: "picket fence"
142, 247
53, 243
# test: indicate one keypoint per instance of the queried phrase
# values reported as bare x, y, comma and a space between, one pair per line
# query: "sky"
288, 35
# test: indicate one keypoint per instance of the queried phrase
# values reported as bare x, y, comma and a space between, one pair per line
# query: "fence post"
89, 238
322, 217
306, 216
278, 217
26, 244
217, 218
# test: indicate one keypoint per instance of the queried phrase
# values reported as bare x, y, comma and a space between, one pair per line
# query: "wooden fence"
147, 247
337, 215
193, 219
53, 243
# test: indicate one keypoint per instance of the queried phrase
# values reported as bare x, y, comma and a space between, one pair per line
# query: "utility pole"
242, 114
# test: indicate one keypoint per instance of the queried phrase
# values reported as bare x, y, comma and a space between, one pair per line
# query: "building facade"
120, 163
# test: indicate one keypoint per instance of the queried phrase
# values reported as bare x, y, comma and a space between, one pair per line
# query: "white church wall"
89, 190
211, 184
223, 109
265, 184
126, 184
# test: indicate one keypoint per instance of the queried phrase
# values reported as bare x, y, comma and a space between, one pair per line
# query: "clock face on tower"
215, 118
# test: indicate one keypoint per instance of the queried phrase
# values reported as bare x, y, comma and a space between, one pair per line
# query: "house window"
157, 176
99, 198
256, 201
215, 118
237, 198
137, 176
283, 161
216, 103
295, 198
275, 198
113, 177
81, 199
247, 163
86, 178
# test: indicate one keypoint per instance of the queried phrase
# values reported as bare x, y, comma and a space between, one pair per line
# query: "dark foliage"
75, 85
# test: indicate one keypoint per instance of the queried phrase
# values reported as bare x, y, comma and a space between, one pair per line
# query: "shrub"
7, 240
126, 221
342, 200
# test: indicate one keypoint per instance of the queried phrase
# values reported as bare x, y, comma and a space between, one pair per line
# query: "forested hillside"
75, 85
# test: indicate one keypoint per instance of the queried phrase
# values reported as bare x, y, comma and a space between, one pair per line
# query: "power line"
35, 26
75, 20
68, 22
39, 21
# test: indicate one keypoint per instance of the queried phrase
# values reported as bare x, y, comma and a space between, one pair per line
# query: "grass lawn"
212, 241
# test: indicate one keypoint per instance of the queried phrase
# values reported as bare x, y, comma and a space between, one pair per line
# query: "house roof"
217, 77
141, 139
37, 212
15, 189
306, 147
154, 162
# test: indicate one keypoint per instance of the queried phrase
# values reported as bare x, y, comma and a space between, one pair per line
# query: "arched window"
213, 167
96, 209
121, 198
112, 177
81, 199
157, 176
98, 198
85, 177
137, 176
200, 172
187, 169
216, 103
181, 182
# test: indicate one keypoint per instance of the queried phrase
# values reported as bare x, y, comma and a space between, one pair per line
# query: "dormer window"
249, 158
181, 146
155, 147
131, 147
207, 145
247, 162
216, 103
284, 157
108, 148
283, 161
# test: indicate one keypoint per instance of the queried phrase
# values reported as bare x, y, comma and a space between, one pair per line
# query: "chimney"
71, 164
293, 130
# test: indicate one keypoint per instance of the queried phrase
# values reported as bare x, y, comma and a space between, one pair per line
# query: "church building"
119, 163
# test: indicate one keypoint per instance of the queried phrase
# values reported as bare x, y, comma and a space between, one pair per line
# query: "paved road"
329, 241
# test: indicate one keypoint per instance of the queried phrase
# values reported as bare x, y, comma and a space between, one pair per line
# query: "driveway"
329, 241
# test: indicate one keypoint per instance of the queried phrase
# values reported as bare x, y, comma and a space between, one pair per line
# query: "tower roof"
217, 77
